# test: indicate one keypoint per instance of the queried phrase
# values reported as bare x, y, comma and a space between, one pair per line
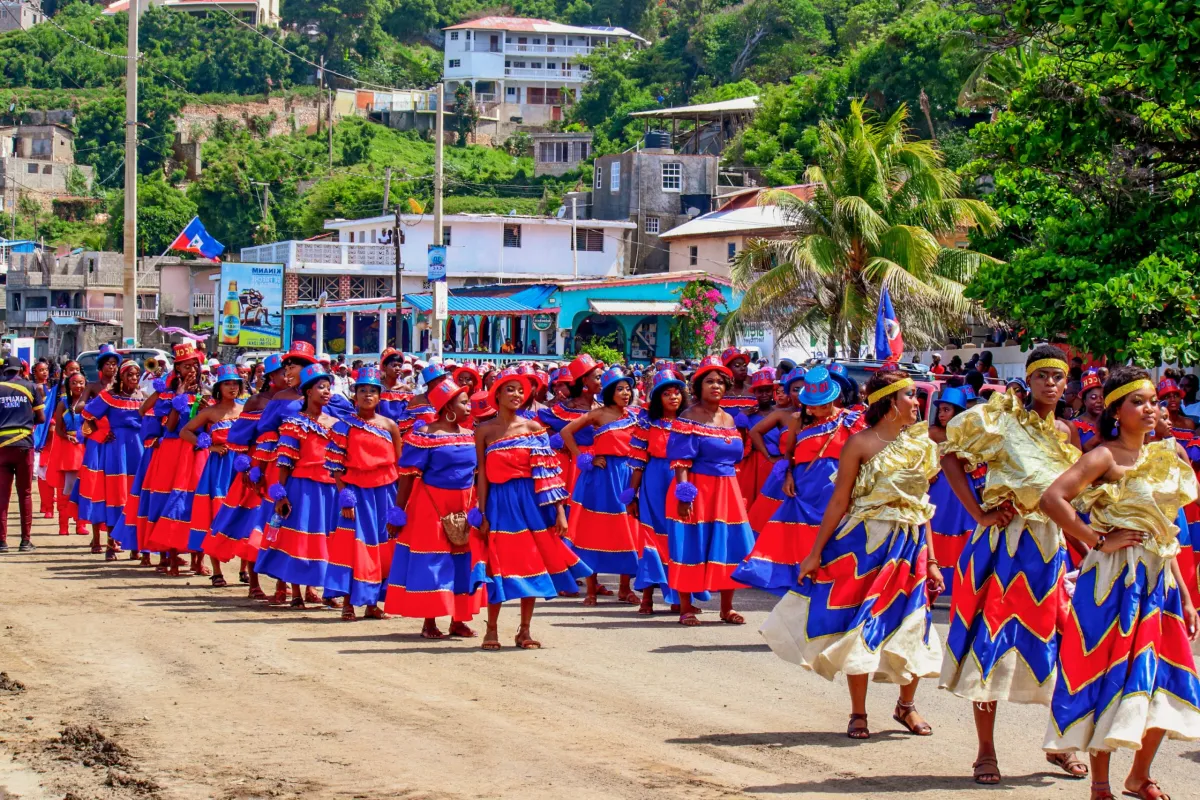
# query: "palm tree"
879, 203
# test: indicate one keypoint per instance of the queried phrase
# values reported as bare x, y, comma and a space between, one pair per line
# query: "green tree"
880, 202
101, 132
163, 211
466, 114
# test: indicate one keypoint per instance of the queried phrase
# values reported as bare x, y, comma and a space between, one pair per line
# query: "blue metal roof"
490, 299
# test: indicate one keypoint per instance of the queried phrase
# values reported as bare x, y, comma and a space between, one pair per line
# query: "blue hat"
1017, 382
797, 374
954, 396
611, 376
107, 351
311, 374
819, 388
969, 392
664, 378
227, 372
272, 363
368, 376
842, 378
432, 372
837, 369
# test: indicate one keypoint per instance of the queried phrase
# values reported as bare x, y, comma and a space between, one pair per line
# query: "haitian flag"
194, 239
889, 344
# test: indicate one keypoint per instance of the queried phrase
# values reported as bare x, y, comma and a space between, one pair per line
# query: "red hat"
1168, 387
732, 354
443, 393
507, 375
302, 351
185, 351
709, 364
1091, 380
764, 377
467, 371
481, 406
582, 366
389, 354
534, 380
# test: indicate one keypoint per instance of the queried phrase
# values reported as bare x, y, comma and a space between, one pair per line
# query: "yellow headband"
877, 395
1055, 363
1129, 388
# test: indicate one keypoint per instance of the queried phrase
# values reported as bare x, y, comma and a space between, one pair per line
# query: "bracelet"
475, 517
277, 492
686, 492
1099, 543
396, 517
204, 441
347, 499
255, 474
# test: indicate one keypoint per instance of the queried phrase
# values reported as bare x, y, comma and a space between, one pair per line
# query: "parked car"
861, 369
87, 359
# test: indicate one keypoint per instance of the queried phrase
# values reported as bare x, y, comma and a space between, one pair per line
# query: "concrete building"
19, 14
523, 70
255, 12
187, 291
37, 160
711, 241
73, 303
359, 267
559, 153
656, 189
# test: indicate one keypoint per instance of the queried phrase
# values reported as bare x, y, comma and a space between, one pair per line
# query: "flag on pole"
195, 239
889, 344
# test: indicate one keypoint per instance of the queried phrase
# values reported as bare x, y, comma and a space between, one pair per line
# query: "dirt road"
197, 692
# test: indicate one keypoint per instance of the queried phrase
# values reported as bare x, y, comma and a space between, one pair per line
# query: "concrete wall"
14, 15
291, 114
712, 253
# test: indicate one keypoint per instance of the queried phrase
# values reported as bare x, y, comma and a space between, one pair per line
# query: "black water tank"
657, 140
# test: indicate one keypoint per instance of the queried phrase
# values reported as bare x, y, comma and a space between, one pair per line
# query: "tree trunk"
835, 321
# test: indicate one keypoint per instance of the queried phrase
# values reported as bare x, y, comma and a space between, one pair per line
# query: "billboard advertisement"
250, 299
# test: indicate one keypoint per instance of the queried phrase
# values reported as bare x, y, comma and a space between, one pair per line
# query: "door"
494, 43
556, 113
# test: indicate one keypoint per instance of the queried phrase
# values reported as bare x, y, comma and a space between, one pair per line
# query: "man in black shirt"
21, 409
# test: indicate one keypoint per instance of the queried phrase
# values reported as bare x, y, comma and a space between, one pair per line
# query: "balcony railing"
38, 316
296, 254
563, 50
23, 279
202, 304
559, 74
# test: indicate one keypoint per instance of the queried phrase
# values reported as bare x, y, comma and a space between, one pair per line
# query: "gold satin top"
1024, 453
1146, 498
893, 485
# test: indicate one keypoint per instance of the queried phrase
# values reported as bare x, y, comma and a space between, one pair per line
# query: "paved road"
213, 695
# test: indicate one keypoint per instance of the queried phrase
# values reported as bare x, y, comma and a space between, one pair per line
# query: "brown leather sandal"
1070, 764
987, 771
856, 731
906, 710
1149, 791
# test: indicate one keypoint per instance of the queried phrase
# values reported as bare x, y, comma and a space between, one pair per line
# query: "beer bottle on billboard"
231, 316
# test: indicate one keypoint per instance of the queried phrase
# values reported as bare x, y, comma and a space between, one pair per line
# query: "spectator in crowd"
22, 407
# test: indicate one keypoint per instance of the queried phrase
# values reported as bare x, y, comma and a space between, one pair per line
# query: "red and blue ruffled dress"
108, 470
1189, 529
1125, 662
392, 403
129, 532
754, 468
168, 491
66, 458
601, 531
865, 611
416, 416
214, 484
297, 550
952, 526
788, 536
237, 518
706, 549
770, 494
525, 557
555, 418
430, 577
364, 456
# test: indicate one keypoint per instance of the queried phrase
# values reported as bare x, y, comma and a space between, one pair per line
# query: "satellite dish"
693, 212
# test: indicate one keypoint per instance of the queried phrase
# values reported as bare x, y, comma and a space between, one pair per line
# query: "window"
310, 287
581, 150
47, 170
554, 152
535, 95
731, 250
454, 36
352, 237
512, 235
672, 176
614, 180
467, 36
455, 63
551, 65
358, 287
32, 169
41, 147
510, 91
589, 239
598, 183
446, 235
553, 97
693, 255
652, 225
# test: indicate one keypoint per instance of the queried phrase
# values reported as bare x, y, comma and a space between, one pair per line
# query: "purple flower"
626, 496
255, 474
204, 441
741, 421
686, 492
276, 492
556, 442
396, 517
159, 385
584, 462
241, 463
347, 498
475, 517
181, 403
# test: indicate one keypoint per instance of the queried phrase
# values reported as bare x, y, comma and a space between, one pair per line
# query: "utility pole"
575, 235
387, 187
397, 233
129, 284
330, 116
438, 181
320, 91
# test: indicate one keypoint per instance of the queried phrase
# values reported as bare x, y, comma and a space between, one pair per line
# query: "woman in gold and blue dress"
861, 604
1126, 673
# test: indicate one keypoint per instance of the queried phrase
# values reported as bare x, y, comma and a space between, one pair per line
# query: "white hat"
213, 362
406, 367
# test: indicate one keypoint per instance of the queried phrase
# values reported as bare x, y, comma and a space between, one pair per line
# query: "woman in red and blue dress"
521, 494
295, 549
755, 467
164, 504
951, 525
819, 433
770, 437
430, 576
1183, 429
396, 393
604, 531
107, 362
129, 532
362, 456
104, 484
1091, 395
209, 430
237, 527
418, 411
1126, 673
667, 397
583, 385
66, 455
707, 531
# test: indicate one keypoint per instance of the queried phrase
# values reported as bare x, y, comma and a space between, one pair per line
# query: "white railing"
485, 97
38, 316
546, 74
202, 304
486, 47
563, 50
294, 254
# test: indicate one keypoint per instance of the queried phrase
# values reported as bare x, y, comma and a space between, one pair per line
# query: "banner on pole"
441, 302
437, 263
251, 299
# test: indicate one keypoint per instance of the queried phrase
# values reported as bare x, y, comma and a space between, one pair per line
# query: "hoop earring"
896, 412
451, 417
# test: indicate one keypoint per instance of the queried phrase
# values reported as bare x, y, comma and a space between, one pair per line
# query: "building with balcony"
188, 293
75, 302
523, 70
482, 249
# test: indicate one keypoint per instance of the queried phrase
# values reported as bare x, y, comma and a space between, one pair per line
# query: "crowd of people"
1060, 527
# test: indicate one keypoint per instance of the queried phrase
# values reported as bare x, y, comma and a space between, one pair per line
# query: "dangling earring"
451, 417
894, 414
1116, 428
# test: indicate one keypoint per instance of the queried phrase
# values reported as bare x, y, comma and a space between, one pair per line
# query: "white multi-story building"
523, 68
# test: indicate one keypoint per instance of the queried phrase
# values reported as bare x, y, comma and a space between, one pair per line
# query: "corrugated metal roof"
491, 300
640, 308
749, 221
722, 107
534, 25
